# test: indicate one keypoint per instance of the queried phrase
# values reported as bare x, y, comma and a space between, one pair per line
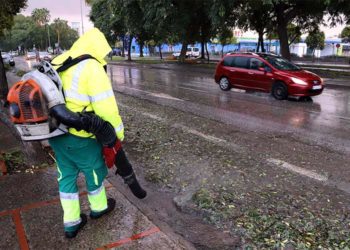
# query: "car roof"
256, 54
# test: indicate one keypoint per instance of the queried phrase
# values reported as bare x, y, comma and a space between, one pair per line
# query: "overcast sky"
65, 9
70, 11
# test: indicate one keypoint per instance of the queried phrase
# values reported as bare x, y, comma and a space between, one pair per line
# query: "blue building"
214, 48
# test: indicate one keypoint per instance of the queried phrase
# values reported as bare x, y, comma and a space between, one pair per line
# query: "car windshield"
281, 63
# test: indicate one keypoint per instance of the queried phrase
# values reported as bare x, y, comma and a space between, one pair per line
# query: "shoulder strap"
71, 62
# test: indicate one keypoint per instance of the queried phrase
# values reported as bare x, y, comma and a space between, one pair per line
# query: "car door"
228, 70
240, 71
260, 76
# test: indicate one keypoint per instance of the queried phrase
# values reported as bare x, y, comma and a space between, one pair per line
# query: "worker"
87, 89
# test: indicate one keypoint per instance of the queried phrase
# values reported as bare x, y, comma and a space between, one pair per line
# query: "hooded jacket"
86, 85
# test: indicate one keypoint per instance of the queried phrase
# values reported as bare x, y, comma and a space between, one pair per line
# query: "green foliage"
345, 34
315, 40
187, 22
65, 36
41, 16
26, 33
9, 8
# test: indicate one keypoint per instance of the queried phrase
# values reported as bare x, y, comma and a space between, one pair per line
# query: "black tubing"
89, 122
125, 170
67, 117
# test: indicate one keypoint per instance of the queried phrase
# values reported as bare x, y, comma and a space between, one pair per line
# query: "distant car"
30, 55
191, 52
117, 52
7, 59
13, 53
43, 55
266, 72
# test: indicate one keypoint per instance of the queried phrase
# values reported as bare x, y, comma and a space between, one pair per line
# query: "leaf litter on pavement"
236, 192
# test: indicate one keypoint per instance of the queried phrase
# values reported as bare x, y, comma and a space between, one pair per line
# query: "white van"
191, 52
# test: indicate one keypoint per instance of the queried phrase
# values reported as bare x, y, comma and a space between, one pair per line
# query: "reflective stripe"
119, 128
97, 191
76, 96
86, 98
69, 196
102, 96
98, 199
95, 177
76, 76
60, 173
72, 223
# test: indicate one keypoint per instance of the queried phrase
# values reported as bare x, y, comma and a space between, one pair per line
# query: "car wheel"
279, 91
224, 84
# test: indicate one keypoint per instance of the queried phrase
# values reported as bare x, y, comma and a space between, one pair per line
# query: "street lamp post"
81, 15
48, 34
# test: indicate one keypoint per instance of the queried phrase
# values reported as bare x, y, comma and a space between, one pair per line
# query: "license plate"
317, 87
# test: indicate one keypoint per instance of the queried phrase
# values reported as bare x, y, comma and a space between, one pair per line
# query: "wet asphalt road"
324, 120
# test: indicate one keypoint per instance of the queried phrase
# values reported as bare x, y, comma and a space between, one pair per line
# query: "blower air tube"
89, 122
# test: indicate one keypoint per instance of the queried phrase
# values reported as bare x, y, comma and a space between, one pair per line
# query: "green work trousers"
74, 155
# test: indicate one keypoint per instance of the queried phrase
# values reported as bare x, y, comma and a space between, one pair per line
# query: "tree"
9, 8
315, 40
339, 11
42, 17
345, 34
303, 13
109, 17
226, 37
59, 26
65, 35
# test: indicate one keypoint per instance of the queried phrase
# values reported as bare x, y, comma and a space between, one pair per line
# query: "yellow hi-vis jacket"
86, 85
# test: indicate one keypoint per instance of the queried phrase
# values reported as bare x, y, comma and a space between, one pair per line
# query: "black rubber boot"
110, 207
73, 234
124, 169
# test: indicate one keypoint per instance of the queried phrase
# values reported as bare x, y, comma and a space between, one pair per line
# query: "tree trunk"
123, 50
141, 49
129, 48
202, 50
222, 50
261, 41
283, 34
160, 51
183, 52
206, 49
4, 89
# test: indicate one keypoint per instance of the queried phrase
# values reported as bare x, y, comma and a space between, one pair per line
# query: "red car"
266, 72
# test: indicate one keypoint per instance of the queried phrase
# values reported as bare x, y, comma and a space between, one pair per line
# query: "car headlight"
299, 81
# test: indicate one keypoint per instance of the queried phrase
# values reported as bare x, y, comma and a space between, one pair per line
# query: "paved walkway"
31, 218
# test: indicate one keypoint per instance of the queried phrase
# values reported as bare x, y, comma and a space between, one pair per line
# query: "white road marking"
152, 116
161, 95
298, 170
200, 134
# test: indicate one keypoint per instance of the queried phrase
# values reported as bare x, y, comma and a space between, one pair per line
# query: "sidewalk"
31, 218
31, 214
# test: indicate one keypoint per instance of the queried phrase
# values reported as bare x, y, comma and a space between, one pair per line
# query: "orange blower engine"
30, 101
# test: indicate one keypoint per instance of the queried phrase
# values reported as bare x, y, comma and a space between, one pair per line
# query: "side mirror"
262, 69
267, 69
